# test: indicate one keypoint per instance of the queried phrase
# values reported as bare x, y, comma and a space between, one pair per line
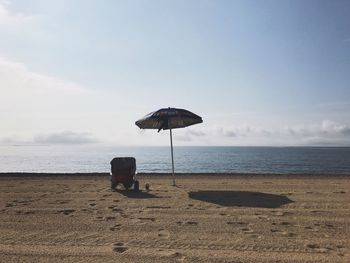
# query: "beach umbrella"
168, 119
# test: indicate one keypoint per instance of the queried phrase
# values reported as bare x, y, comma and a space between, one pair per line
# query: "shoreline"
182, 175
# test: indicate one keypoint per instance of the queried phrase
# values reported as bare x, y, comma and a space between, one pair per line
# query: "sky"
259, 73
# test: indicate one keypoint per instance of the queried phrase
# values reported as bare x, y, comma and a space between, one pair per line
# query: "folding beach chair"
123, 171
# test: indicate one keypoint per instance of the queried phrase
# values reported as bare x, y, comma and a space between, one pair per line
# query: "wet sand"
220, 218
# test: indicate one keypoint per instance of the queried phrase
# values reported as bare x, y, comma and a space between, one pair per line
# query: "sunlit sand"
202, 219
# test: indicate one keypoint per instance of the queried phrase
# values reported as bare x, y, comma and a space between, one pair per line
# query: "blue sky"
258, 72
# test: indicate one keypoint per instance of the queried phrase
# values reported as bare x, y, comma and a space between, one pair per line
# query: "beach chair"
123, 171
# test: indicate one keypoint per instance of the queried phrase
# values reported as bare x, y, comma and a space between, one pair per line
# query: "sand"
236, 218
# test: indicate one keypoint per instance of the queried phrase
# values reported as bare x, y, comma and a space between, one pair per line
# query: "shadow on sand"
137, 195
241, 198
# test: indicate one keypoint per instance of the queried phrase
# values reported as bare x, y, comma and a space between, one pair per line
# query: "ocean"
80, 159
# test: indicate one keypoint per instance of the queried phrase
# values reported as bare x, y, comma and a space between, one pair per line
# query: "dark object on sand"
147, 187
136, 186
123, 171
168, 119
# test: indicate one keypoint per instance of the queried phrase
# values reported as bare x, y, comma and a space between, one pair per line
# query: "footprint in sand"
28, 212
192, 223
99, 218
284, 223
23, 202
119, 247
288, 234
116, 227
66, 211
115, 209
123, 215
21, 212
247, 230
275, 230
147, 219
312, 246
107, 218
92, 204
339, 246
280, 213
171, 255
163, 234
177, 256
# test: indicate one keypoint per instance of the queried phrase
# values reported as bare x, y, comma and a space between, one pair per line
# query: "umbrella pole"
172, 155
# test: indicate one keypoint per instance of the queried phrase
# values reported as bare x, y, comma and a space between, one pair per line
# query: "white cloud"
66, 137
8, 18
30, 98
190, 134
195, 133
17, 80
325, 133
32, 103
243, 131
12, 140
326, 129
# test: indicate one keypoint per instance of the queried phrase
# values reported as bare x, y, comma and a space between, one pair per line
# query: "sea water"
76, 159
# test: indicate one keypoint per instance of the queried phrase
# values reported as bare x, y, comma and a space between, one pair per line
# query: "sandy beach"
205, 218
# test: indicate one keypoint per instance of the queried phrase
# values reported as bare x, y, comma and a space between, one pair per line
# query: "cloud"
8, 18
196, 133
189, 134
326, 129
13, 140
66, 137
25, 92
243, 131
33, 103
325, 133
17, 79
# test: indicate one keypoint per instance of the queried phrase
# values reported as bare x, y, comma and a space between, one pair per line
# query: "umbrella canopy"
168, 119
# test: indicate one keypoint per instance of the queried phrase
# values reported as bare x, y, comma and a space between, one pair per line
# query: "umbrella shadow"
136, 195
241, 198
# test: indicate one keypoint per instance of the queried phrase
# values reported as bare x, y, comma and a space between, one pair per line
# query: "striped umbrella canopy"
168, 119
